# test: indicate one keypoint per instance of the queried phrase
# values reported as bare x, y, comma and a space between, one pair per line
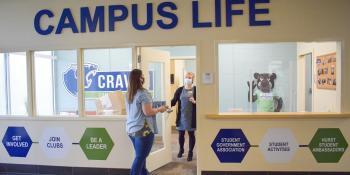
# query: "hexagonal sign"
55, 143
17, 141
230, 145
279, 145
328, 145
96, 143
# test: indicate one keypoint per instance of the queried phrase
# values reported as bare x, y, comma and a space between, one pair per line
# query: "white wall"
190, 66
184, 52
323, 100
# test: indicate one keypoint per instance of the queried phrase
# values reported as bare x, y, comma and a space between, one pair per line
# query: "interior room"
301, 77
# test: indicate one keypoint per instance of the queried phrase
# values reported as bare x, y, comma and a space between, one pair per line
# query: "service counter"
283, 115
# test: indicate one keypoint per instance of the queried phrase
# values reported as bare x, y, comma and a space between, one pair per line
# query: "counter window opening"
13, 84
279, 77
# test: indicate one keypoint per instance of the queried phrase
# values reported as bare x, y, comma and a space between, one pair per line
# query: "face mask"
188, 81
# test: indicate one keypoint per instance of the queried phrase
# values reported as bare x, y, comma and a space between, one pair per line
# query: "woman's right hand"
162, 109
148, 110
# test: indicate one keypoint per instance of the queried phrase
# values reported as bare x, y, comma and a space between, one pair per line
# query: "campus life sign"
92, 20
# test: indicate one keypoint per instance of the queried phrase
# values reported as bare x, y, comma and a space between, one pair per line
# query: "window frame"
8, 85
34, 99
340, 59
31, 94
134, 64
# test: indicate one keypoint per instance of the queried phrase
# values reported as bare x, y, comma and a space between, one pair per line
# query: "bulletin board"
326, 71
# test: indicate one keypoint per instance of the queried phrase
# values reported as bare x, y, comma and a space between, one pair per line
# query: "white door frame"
162, 156
301, 91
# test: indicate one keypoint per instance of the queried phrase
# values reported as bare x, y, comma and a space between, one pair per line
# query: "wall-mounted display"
326, 71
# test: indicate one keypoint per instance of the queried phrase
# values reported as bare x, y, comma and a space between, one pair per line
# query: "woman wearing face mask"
139, 124
185, 97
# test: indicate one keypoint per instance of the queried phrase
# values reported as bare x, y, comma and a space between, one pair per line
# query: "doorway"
308, 82
305, 76
166, 67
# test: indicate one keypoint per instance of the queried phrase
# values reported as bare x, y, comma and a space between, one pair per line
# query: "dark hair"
134, 84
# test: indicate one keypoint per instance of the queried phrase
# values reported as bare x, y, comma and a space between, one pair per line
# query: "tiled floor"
179, 166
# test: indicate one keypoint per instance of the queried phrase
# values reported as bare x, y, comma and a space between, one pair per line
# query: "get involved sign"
17, 141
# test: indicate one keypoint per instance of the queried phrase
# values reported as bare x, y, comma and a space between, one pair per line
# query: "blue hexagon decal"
17, 141
230, 145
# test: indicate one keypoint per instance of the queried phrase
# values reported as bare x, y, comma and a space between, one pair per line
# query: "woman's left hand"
192, 100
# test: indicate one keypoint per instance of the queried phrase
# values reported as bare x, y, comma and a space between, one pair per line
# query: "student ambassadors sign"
91, 21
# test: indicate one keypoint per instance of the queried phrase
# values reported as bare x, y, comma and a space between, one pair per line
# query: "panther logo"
70, 77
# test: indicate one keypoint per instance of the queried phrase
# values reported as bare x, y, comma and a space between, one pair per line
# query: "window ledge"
283, 115
62, 118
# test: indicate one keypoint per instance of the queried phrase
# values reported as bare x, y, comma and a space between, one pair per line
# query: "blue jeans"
142, 147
